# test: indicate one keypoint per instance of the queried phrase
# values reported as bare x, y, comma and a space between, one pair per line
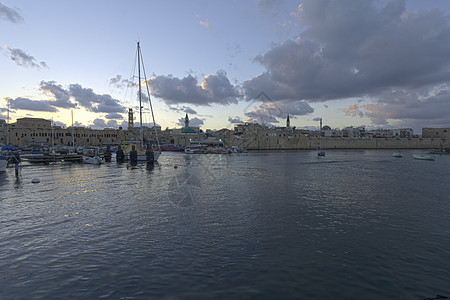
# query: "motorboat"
397, 154
423, 157
321, 153
93, 160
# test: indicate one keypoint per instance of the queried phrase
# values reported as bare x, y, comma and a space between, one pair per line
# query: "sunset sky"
381, 64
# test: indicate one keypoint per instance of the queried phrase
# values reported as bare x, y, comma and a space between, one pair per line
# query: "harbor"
353, 224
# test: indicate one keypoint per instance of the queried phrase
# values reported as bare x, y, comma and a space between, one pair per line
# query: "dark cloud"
215, 89
354, 48
268, 112
23, 59
184, 109
34, 105
10, 14
114, 116
234, 120
95, 102
407, 109
62, 96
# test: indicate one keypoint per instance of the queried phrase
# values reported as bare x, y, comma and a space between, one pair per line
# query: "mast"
7, 126
140, 94
73, 137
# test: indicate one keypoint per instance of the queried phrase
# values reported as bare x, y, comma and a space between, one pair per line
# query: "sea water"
354, 224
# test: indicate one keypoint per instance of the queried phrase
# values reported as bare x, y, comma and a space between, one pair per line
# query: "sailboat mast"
7, 125
73, 137
140, 94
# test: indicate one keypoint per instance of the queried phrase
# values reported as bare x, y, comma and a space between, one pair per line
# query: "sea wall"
263, 142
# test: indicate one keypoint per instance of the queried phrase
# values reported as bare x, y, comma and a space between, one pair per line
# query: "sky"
372, 63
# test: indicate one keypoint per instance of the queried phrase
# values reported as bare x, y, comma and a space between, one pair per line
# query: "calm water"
289, 225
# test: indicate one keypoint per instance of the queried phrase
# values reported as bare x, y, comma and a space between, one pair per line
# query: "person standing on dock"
16, 159
120, 156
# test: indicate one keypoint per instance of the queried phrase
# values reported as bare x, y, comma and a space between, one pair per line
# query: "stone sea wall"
255, 142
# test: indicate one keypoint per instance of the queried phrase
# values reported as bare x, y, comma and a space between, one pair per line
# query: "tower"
288, 122
186, 121
320, 128
130, 118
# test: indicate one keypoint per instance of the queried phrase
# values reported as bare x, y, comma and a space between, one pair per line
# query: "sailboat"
141, 149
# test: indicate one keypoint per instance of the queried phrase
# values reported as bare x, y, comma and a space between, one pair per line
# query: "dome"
326, 127
188, 130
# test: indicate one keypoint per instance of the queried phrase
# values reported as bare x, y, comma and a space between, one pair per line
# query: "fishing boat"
423, 157
145, 153
397, 154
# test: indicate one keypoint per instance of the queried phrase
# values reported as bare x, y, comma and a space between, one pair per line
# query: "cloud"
206, 24
354, 49
194, 122
414, 109
95, 102
353, 110
62, 96
9, 14
114, 116
268, 112
184, 109
121, 83
234, 120
98, 124
23, 59
34, 105
215, 89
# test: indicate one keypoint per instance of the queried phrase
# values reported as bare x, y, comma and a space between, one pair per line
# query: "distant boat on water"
93, 160
423, 157
397, 154
321, 153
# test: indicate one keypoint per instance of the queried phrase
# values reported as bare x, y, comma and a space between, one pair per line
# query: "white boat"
93, 160
195, 149
397, 154
423, 157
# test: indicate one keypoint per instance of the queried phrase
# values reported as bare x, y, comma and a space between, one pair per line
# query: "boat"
439, 151
93, 160
397, 154
423, 157
172, 147
145, 152
195, 149
220, 151
321, 153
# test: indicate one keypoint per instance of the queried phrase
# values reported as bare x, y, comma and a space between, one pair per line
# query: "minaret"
186, 121
320, 128
130, 118
288, 122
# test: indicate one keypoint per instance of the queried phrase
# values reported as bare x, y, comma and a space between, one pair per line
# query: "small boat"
321, 153
220, 151
93, 160
397, 154
195, 149
423, 157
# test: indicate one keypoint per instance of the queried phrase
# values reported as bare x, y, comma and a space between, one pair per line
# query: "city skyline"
366, 63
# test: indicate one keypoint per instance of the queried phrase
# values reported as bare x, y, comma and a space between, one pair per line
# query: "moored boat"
93, 160
397, 154
423, 157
